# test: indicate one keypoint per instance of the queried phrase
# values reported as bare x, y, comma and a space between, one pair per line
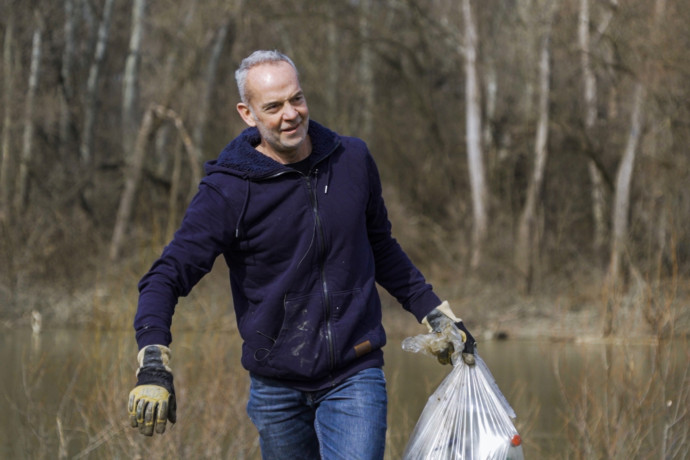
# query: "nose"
290, 112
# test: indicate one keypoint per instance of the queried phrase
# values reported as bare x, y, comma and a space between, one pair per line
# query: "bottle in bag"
515, 449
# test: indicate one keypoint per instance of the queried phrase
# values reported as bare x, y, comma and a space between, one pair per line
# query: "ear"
246, 113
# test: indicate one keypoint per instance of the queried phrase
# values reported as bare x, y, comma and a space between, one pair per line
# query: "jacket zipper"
312, 190
322, 266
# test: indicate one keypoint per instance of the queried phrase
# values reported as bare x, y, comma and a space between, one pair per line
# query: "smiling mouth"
293, 128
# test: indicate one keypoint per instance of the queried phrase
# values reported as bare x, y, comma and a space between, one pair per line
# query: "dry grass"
627, 411
635, 408
72, 402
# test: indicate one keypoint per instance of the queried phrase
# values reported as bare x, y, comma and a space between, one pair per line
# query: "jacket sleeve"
394, 269
204, 233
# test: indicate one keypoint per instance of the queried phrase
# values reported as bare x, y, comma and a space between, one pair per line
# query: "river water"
63, 393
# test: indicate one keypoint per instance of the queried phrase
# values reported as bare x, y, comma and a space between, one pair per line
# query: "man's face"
277, 107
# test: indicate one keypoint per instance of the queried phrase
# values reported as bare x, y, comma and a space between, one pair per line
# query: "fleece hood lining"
241, 158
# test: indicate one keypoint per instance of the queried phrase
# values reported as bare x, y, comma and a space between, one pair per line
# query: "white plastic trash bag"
467, 417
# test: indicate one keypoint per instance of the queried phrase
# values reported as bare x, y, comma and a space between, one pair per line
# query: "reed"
629, 410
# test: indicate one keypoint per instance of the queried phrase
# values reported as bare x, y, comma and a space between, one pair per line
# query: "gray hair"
254, 59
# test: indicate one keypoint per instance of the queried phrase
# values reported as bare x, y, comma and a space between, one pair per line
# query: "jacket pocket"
356, 324
301, 347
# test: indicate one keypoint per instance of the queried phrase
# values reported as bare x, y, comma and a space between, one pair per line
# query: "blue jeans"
345, 422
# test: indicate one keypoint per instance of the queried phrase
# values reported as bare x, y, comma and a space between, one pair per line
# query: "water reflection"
63, 392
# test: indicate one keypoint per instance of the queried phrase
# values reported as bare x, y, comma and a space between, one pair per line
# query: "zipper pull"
325, 187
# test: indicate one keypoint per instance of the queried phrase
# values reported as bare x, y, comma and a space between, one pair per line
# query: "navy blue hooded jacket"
304, 253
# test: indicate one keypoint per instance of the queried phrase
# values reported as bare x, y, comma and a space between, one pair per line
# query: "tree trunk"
130, 85
609, 53
176, 71
91, 108
526, 249
474, 136
210, 80
621, 203
193, 153
132, 177
624, 176
331, 87
621, 206
89, 20
22, 190
366, 73
149, 125
175, 180
590, 101
491, 83
67, 87
8, 91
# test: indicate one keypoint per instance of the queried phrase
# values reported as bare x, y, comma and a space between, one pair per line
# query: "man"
296, 210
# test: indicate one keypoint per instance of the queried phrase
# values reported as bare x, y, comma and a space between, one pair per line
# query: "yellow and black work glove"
152, 401
442, 320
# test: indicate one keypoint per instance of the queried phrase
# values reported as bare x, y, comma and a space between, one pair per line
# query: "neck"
289, 156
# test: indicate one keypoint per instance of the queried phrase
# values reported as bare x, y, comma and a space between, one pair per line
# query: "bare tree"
473, 127
621, 204
153, 117
625, 167
223, 32
491, 84
8, 91
175, 181
124, 211
332, 63
171, 81
388, 71
194, 160
526, 248
589, 89
366, 72
90, 111
624, 176
67, 84
86, 14
22, 190
130, 84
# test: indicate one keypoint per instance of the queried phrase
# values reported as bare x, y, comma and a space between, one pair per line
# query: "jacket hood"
240, 157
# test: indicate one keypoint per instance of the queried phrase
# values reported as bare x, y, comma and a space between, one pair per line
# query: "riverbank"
550, 364
559, 310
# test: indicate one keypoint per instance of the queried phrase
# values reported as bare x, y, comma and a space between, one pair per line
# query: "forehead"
272, 81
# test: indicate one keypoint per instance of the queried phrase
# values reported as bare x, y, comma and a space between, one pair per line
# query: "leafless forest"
525, 143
